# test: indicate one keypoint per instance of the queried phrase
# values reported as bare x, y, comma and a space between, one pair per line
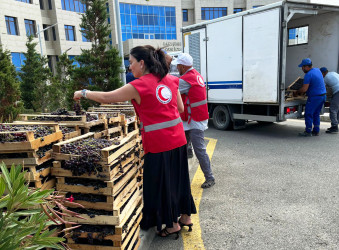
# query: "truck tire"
221, 118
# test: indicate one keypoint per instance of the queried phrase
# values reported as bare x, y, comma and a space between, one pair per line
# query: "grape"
39, 131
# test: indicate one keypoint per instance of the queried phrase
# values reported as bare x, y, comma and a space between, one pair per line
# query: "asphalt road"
274, 190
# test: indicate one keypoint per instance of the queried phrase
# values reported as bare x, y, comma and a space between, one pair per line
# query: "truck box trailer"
248, 59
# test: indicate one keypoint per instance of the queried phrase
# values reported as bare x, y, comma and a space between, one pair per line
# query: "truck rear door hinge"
205, 39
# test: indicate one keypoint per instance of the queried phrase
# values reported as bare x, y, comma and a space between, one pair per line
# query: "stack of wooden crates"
112, 195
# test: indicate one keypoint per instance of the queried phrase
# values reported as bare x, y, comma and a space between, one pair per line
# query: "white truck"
248, 59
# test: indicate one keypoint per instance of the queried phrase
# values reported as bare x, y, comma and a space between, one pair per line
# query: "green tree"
34, 77
99, 66
60, 89
10, 106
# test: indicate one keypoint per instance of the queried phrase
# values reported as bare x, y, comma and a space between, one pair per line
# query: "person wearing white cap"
195, 116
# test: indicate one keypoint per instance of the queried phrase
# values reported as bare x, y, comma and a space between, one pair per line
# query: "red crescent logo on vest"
164, 94
200, 81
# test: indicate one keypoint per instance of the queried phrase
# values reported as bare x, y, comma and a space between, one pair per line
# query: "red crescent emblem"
200, 81
164, 94
160, 94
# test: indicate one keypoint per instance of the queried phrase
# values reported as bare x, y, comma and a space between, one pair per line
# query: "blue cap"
323, 69
305, 62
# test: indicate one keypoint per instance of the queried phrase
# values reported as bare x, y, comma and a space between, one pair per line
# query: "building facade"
154, 22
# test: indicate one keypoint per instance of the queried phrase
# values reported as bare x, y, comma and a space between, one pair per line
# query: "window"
257, 6
73, 5
84, 39
25, 1
185, 15
237, 10
41, 2
297, 36
54, 34
11, 25
69, 30
75, 62
30, 27
18, 60
46, 36
147, 22
50, 65
50, 6
212, 13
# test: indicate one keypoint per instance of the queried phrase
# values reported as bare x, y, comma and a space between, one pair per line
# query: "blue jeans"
313, 108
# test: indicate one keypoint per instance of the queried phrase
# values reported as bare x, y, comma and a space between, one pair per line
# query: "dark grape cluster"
89, 151
85, 182
56, 119
42, 151
60, 111
39, 131
87, 197
78, 109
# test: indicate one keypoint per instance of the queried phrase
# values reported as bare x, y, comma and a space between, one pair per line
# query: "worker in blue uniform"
315, 89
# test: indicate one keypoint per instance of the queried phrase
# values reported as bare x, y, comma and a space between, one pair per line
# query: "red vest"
161, 127
195, 102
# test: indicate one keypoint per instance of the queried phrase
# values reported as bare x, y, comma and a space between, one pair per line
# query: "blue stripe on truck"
225, 85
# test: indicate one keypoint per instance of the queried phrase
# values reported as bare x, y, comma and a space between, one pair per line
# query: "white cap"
184, 59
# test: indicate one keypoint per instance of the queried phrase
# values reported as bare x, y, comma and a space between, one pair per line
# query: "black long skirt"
167, 190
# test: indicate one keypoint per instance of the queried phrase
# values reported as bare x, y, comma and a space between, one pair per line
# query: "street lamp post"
120, 44
38, 33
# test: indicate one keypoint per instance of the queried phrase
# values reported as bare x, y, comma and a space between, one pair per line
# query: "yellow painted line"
193, 240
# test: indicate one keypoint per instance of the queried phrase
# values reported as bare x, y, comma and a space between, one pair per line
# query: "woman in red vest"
156, 99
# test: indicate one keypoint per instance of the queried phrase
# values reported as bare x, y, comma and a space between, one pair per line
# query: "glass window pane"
16, 59
133, 9
127, 9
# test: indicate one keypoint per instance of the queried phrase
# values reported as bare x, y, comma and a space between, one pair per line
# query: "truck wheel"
221, 118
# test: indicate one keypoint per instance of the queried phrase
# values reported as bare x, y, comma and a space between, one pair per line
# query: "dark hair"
154, 59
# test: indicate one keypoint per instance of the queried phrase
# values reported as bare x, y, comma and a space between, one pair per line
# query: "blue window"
212, 13
73, 5
75, 62
237, 10
69, 31
18, 60
298, 35
25, 1
84, 39
11, 25
147, 22
30, 27
185, 15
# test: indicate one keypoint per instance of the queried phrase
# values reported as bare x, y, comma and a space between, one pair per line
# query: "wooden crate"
114, 220
41, 184
112, 203
132, 243
65, 119
26, 158
121, 232
70, 135
108, 171
112, 187
108, 155
31, 142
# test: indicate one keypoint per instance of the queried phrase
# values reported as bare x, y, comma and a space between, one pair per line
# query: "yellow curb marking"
193, 240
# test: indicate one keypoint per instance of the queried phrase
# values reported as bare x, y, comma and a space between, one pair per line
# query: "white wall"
322, 47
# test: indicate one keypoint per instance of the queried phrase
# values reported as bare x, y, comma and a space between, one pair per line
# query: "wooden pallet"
70, 135
111, 189
113, 203
31, 143
121, 232
114, 220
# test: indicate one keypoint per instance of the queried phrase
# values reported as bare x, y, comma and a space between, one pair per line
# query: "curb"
146, 237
